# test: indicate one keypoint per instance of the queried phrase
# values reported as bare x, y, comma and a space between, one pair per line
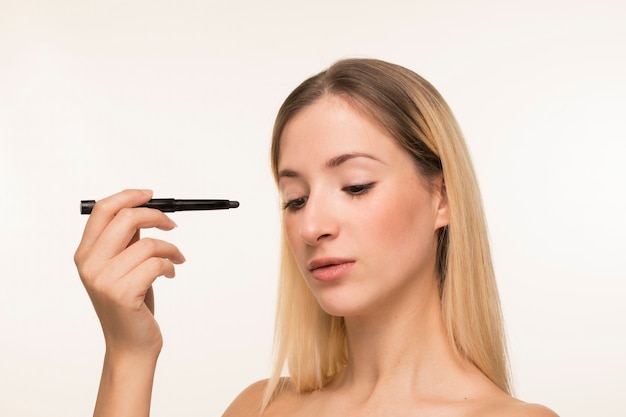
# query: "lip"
330, 269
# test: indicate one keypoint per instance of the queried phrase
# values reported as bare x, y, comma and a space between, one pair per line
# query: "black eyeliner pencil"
170, 205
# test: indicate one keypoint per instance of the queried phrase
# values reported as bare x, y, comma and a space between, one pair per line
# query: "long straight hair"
313, 344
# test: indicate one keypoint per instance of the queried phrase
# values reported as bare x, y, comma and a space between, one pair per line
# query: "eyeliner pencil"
170, 205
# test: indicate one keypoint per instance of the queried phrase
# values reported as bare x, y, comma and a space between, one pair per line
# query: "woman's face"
360, 220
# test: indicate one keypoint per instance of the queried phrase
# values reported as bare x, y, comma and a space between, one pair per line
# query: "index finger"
105, 210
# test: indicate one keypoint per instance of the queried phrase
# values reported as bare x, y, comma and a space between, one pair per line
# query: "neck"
400, 347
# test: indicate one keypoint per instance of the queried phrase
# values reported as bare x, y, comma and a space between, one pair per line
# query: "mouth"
330, 269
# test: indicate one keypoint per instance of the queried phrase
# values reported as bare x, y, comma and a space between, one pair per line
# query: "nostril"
323, 236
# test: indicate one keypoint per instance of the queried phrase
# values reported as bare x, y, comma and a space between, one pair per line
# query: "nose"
319, 221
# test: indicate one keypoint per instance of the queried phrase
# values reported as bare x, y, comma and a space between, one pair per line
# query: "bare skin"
329, 403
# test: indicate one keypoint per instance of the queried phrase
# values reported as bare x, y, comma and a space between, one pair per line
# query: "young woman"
387, 304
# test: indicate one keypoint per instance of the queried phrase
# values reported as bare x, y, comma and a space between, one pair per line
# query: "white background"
180, 97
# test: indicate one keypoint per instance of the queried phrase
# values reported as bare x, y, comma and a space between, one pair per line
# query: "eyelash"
359, 189
354, 191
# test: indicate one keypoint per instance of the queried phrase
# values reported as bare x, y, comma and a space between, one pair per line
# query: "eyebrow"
331, 163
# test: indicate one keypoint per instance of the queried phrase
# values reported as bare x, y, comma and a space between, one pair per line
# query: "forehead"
333, 125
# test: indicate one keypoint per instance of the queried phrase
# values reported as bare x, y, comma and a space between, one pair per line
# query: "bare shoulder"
531, 410
248, 402
516, 408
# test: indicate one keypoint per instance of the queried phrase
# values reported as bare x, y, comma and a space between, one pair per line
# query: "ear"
442, 215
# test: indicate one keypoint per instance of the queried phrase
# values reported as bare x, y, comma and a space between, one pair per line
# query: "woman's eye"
352, 190
295, 204
358, 189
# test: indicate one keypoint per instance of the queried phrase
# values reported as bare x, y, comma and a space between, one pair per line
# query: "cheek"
402, 222
391, 220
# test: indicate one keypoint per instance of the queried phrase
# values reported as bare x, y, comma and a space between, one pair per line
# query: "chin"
347, 306
346, 299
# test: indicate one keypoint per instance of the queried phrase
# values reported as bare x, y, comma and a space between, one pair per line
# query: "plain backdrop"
180, 97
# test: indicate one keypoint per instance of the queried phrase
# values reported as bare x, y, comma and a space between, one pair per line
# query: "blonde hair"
313, 343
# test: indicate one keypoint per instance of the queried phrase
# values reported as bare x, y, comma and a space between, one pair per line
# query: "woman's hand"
118, 268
